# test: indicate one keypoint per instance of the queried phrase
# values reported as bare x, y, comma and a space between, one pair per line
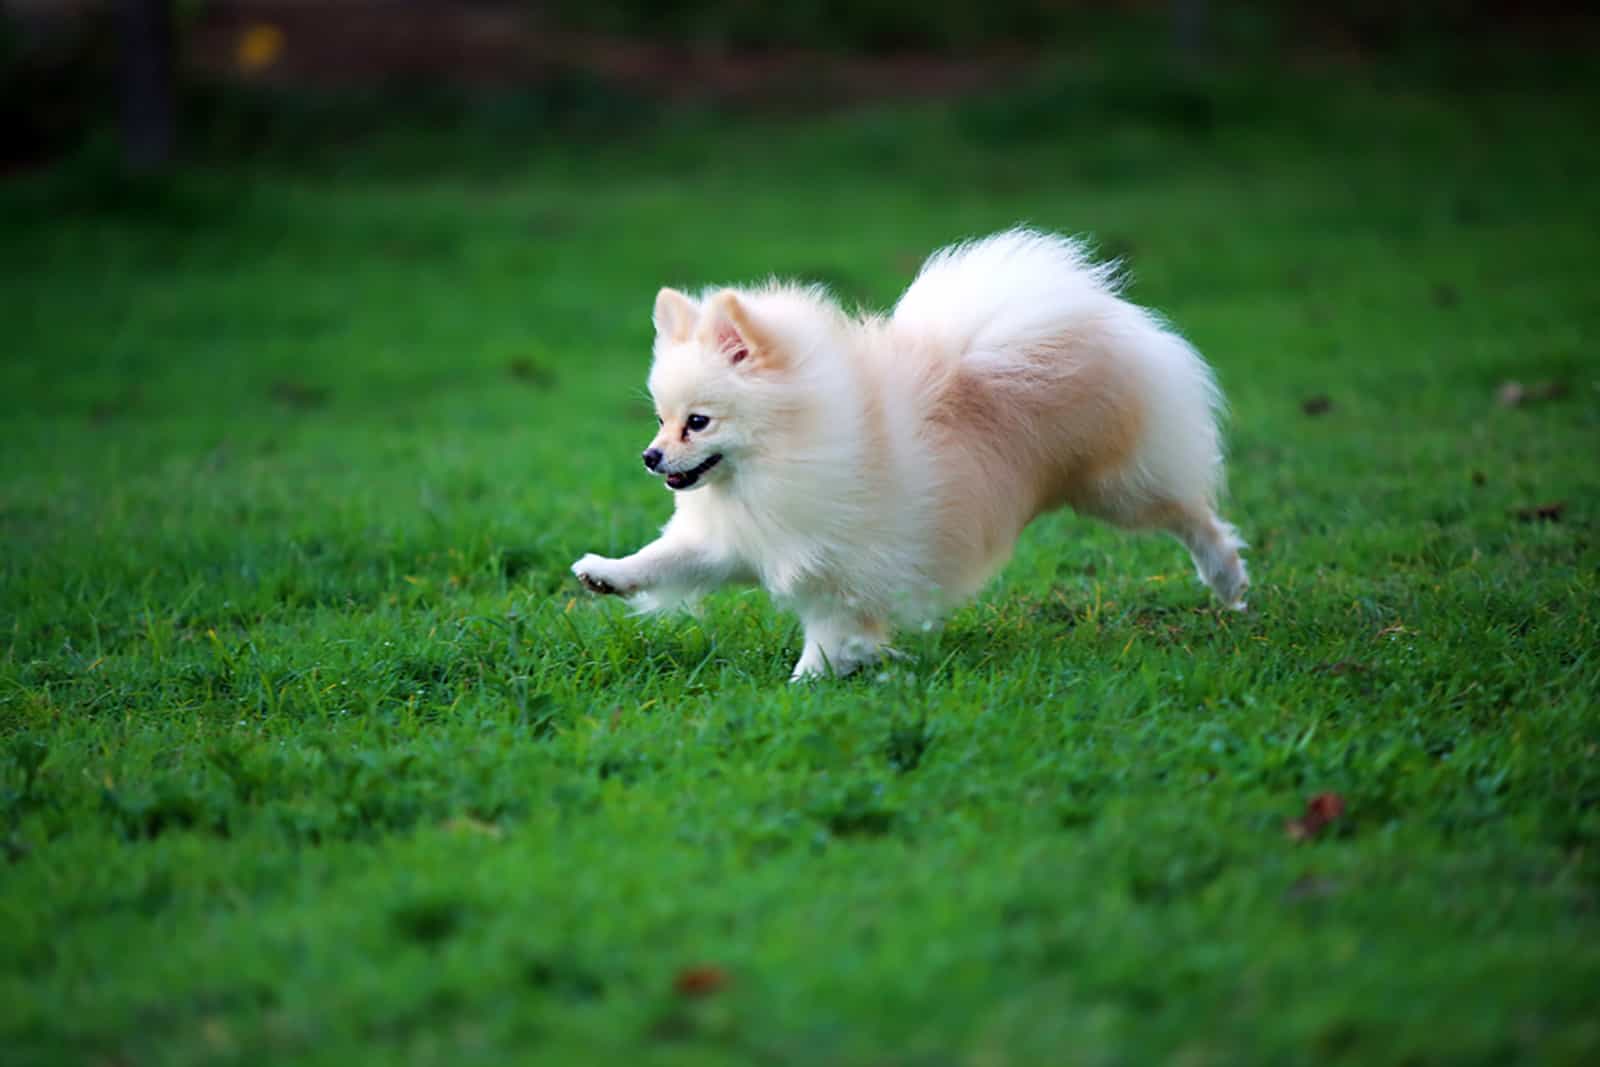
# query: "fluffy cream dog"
869, 470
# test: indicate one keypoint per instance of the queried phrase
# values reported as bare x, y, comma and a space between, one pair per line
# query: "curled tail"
1030, 307
1004, 293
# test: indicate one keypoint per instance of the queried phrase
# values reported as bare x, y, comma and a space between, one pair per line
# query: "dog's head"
712, 382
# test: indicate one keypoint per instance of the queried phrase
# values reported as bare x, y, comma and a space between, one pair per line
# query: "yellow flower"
259, 47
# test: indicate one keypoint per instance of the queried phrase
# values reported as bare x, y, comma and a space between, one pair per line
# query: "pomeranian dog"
869, 470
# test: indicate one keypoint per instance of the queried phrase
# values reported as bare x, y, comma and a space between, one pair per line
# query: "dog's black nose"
652, 458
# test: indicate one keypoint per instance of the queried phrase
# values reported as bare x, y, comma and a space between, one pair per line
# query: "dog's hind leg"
1215, 546
839, 643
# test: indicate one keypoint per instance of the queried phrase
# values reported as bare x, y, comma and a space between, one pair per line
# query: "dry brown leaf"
1550, 512
701, 980
1322, 809
1513, 394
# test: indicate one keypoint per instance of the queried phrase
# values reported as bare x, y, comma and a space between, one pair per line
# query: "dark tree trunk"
1191, 29
148, 119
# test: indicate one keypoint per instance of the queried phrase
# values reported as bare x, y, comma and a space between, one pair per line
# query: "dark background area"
201, 79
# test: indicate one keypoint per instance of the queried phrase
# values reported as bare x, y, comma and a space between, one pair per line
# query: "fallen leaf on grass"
701, 980
1320, 404
531, 373
299, 396
1321, 810
107, 410
1513, 394
1550, 512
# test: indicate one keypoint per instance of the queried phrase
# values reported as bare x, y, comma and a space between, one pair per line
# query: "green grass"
312, 750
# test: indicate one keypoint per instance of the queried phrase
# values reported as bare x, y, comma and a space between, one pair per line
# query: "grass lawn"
311, 749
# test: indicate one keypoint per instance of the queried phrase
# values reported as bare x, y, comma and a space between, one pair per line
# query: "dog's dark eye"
696, 422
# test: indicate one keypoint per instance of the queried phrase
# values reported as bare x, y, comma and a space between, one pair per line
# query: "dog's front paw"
600, 575
807, 672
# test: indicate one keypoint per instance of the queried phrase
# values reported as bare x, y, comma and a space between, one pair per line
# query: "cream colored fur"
880, 469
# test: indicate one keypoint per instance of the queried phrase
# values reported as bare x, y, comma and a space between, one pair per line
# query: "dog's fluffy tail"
993, 305
1003, 293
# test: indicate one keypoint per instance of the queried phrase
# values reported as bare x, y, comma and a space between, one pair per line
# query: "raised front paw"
601, 575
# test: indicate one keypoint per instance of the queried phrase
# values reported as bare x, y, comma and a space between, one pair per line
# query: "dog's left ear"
730, 330
675, 315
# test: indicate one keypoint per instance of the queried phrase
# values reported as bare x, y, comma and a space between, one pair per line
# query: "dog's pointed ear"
729, 328
675, 315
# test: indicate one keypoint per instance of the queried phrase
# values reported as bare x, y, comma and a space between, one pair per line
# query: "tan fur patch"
1048, 430
875, 454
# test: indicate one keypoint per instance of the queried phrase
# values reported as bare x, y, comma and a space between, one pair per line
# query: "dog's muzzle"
684, 479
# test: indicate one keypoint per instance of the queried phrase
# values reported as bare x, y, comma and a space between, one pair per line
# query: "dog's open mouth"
684, 479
